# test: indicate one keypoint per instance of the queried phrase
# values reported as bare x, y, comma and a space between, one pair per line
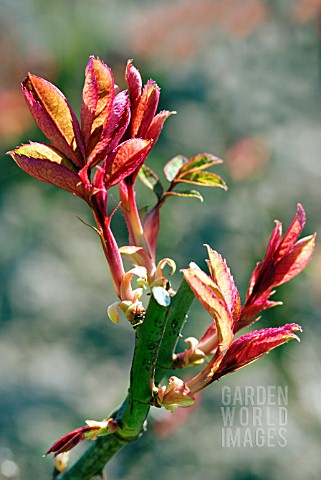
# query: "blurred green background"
245, 79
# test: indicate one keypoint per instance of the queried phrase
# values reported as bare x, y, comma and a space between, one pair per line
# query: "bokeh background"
245, 79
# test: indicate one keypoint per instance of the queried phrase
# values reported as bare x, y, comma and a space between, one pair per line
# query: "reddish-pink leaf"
295, 261
156, 125
54, 117
49, 165
292, 233
221, 275
210, 296
274, 242
253, 345
134, 82
97, 99
113, 129
284, 259
264, 282
251, 311
70, 440
128, 157
146, 109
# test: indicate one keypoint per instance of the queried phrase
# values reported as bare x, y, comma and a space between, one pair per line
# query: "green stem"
94, 459
156, 340
176, 317
140, 394
132, 414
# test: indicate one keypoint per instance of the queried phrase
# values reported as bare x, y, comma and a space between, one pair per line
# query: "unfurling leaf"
137, 256
176, 394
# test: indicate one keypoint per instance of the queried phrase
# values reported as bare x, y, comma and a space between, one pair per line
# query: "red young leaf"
273, 244
97, 99
251, 311
212, 299
48, 165
134, 82
253, 345
54, 117
284, 259
208, 342
242, 351
70, 440
221, 275
156, 125
292, 233
113, 129
128, 157
146, 109
295, 261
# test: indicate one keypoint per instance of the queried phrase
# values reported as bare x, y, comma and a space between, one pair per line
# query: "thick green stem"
132, 414
94, 459
156, 339
148, 339
176, 317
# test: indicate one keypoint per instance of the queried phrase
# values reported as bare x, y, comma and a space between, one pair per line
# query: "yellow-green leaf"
173, 166
151, 180
205, 179
185, 193
200, 162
